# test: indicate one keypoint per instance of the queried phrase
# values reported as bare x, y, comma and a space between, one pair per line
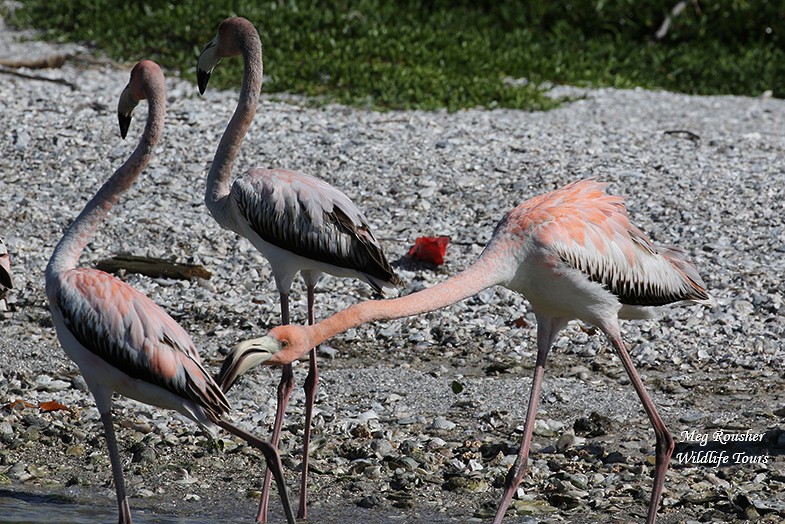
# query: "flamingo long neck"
66, 254
487, 271
219, 177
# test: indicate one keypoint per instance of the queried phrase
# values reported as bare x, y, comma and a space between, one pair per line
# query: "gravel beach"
393, 440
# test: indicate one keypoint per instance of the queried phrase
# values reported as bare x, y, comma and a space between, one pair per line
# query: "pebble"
381, 446
6, 431
692, 417
47, 383
565, 441
442, 423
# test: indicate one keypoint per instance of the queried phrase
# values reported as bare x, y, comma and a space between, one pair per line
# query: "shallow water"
23, 507
18, 507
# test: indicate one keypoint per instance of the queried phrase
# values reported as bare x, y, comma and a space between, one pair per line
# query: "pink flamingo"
298, 222
120, 339
574, 254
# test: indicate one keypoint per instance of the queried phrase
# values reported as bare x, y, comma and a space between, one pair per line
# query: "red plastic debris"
430, 249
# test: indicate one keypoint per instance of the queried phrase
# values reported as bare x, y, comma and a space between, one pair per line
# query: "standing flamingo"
120, 339
574, 254
298, 222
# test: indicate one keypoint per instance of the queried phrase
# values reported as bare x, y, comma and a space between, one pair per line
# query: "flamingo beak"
125, 108
202, 78
207, 61
244, 356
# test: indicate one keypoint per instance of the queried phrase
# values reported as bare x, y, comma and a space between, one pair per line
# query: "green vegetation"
451, 54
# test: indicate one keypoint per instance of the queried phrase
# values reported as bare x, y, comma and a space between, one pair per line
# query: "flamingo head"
282, 345
234, 36
144, 76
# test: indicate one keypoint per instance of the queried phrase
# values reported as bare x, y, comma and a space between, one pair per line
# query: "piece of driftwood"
42, 62
153, 267
6, 71
685, 133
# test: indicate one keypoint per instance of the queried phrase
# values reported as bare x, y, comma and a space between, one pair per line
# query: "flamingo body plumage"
301, 223
588, 262
136, 348
120, 339
573, 254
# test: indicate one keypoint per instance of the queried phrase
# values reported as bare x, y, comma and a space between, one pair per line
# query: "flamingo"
120, 339
573, 254
298, 222
6, 283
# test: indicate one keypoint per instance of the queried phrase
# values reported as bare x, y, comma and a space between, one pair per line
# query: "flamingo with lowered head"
573, 254
298, 222
120, 339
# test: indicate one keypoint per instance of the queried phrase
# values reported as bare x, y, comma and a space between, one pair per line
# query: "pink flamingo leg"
311, 382
665, 444
271, 456
546, 331
285, 388
117, 469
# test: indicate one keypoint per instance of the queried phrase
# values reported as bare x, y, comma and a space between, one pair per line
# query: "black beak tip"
224, 384
226, 387
221, 378
202, 77
125, 123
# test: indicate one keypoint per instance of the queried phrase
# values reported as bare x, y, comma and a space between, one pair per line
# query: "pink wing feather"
128, 330
590, 231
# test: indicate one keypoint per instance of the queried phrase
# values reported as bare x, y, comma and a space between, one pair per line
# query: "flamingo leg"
311, 382
273, 459
285, 388
665, 444
117, 468
546, 331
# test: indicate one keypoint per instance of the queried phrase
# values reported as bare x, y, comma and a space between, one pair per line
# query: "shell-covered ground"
417, 419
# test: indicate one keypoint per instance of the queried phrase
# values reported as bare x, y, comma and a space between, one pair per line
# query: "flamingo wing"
310, 218
129, 331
